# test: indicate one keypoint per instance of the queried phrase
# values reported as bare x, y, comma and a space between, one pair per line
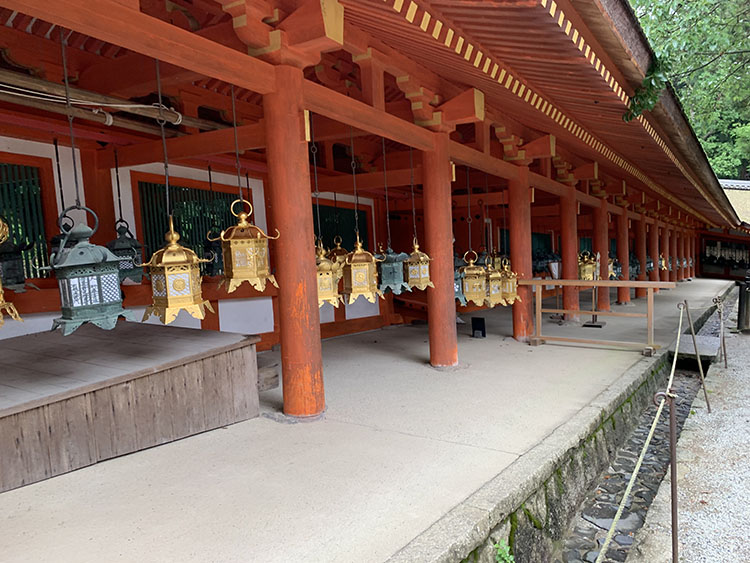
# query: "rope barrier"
618, 515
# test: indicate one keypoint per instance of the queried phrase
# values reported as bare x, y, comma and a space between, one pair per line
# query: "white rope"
613, 527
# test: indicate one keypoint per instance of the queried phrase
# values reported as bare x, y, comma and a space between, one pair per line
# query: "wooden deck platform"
69, 402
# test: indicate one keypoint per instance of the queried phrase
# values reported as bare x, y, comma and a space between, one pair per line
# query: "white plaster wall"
327, 313
246, 316
362, 308
31, 324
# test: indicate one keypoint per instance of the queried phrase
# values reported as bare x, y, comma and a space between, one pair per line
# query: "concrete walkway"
712, 473
400, 446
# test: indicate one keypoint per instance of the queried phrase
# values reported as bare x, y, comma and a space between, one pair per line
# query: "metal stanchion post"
673, 470
697, 353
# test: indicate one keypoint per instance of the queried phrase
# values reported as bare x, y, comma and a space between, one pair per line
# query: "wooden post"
569, 248
650, 316
683, 269
291, 210
641, 253
623, 255
653, 245
664, 249
673, 254
694, 253
519, 210
601, 245
438, 226
97, 189
538, 313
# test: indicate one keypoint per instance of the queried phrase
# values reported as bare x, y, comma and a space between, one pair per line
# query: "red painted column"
569, 248
683, 269
519, 211
664, 249
623, 255
673, 254
97, 190
291, 211
694, 253
641, 253
653, 246
438, 230
601, 245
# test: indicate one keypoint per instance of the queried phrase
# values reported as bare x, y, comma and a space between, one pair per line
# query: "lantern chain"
354, 182
469, 220
63, 44
385, 186
236, 143
161, 120
117, 181
314, 152
247, 185
411, 184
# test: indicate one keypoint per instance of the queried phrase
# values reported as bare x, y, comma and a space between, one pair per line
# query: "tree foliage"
703, 47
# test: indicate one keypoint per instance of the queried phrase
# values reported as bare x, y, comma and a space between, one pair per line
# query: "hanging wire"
316, 193
63, 44
236, 144
117, 181
505, 231
385, 185
484, 214
468, 205
59, 174
411, 184
354, 182
213, 194
161, 121
247, 186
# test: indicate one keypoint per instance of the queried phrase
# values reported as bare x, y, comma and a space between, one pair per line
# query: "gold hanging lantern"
662, 262
494, 285
417, 268
474, 280
586, 266
244, 248
360, 275
328, 276
338, 254
6, 306
175, 281
509, 283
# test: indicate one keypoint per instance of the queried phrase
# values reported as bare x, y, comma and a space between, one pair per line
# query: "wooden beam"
461, 154
543, 147
109, 20
588, 171
189, 146
320, 99
369, 180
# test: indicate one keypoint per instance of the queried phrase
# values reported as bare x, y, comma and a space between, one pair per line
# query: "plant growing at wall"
647, 95
503, 554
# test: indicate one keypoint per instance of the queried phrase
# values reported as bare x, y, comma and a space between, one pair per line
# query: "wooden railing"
650, 345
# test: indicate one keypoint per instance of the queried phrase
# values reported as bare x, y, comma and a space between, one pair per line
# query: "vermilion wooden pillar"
291, 210
673, 254
665, 249
569, 247
438, 228
683, 269
97, 189
653, 245
623, 255
519, 210
601, 245
641, 253
694, 253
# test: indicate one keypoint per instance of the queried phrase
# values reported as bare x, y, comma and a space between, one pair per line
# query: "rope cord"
314, 152
354, 182
59, 174
117, 181
385, 185
63, 44
611, 532
411, 184
469, 220
236, 144
161, 121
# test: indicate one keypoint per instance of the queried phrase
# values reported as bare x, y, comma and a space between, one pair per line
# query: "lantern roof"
83, 253
389, 256
125, 240
359, 255
323, 263
243, 230
172, 252
417, 255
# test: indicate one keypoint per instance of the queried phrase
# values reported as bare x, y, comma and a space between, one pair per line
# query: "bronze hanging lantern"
391, 271
586, 266
360, 275
417, 268
509, 283
175, 281
244, 248
127, 248
5, 306
328, 277
474, 279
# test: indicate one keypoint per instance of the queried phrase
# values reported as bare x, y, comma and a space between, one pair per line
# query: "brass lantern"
360, 275
662, 262
328, 276
417, 268
586, 266
494, 285
474, 280
245, 251
338, 254
175, 281
127, 248
510, 283
391, 271
5, 306
88, 278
